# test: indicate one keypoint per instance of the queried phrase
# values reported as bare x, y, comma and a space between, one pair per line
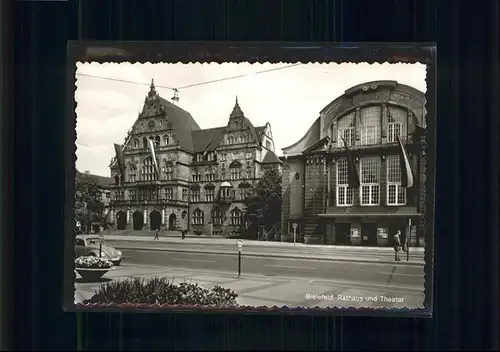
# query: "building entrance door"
154, 220
138, 220
172, 219
121, 220
369, 234
343, 233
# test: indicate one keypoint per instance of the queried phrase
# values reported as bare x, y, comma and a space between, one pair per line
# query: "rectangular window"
196, 177
195, 195
396, 193
131, 176
370, 125
132, 195
345, 130
235, 174
185, 194
217, 218
209, 194
370, 180
210, 176
396, 124
169, 193
169, 172
243, 194
345, 194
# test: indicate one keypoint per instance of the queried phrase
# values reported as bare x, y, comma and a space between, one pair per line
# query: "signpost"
294, 225
239, 243
408, 241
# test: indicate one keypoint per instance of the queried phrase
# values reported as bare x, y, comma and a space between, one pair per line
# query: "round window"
297, 176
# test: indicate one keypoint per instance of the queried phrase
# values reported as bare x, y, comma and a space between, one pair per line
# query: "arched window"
136, 143
157, 141
148, 170
370, 125
166, 139
397, 120
145, 143
198, 217
236, 215
117, 180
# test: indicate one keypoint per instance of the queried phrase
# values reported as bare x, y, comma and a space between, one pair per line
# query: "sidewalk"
269, 249
229, 241
260, 290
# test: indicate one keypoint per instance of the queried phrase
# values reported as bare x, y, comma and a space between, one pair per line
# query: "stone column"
163, 216
145, 216
112, 215
128, 216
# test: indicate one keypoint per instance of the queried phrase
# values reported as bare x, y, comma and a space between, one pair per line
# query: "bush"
161, 291
91, 262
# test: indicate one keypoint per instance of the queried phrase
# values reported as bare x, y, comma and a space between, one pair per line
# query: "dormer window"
136, 143
199, 157
166, 139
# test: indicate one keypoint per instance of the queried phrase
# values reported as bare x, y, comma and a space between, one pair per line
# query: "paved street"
392, 275
279, 281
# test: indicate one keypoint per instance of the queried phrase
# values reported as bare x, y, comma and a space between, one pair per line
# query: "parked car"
91, 245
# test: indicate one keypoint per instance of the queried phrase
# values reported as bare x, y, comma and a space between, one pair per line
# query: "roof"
101, 181
271, 158
206, 139
182, 122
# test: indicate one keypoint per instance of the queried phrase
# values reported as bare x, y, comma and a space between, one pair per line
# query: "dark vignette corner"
253, 52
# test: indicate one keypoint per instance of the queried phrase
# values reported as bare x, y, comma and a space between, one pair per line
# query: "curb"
266, 255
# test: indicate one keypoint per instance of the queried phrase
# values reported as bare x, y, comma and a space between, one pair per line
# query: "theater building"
316, 192
172, 175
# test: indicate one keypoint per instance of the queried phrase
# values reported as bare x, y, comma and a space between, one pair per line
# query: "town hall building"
172, 175
373, 127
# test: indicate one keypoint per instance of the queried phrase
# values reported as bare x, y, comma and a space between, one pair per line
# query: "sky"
289, 98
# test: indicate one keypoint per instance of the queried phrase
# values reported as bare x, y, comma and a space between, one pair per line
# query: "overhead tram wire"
195, 84
184, 87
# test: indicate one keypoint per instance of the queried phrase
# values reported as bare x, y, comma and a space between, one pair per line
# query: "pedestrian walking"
157, 234
397, 246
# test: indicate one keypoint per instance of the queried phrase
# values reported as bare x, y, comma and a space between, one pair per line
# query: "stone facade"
369, 117
198, 180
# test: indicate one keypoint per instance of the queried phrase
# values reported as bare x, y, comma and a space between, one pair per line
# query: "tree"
264, 203
88, 200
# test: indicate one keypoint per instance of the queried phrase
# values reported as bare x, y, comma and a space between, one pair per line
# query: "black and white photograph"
299, 185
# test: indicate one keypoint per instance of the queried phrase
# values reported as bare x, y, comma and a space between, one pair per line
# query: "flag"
407, 177
119, 159
151, 146
352, 172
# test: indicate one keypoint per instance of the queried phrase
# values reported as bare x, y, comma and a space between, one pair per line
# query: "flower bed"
161, 291
91, 262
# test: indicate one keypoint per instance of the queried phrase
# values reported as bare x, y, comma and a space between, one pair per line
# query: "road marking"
290, 267
417, 275
193, 260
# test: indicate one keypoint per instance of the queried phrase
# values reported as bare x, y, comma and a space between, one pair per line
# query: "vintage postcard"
233, 185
